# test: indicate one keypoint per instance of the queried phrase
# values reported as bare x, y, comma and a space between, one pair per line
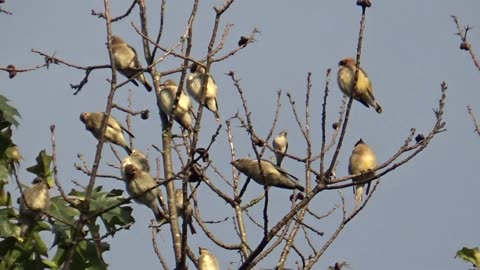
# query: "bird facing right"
345, 79
126, 61
167, 96
206, 260
362, 160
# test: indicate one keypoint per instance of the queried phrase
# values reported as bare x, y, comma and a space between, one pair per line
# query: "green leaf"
86, 257
50, 264
100, 201
63, 234
5, 161
59, 256
21, 255
40, 245
8, 113
117, 216
471, 255
5, 197
42, 168
7, 228
61, 209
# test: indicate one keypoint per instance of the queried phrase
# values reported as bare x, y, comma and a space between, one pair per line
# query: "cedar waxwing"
194, 85
126, 61
168, 91
138, 182
274, 175
362, 160
35, 199
136, 158
345, 78
280, 144
206, 260
113, 133
188, 213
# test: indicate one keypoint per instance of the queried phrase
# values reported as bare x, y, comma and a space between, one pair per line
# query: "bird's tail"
192, 229
147, 86
378, 108
212, 105
141, 78
217, 116
279, 160
358, 195
159, 216
299, 187
128, 150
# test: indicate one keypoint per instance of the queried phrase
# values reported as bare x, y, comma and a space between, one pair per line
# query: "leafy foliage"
471, 255
8, 113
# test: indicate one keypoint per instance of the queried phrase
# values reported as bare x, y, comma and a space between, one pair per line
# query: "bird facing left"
113, 132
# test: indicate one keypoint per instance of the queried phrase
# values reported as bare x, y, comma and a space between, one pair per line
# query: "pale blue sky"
422, 213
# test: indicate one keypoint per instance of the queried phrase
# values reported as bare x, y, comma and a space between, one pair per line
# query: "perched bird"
362, 160
274, 175
126, 61
280, 144
345, 79
138, 182
167, 95
188, 213
206, 260
113, 133
34, 200
194, 85
136, 158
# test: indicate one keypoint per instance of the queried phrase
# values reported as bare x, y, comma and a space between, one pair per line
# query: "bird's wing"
281, 170
114, 124
127, 131
135, 60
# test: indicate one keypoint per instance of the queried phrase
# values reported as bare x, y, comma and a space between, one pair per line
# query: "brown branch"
84, 209
160, 31
55, 167
465, 45
157, 250
129, 10
5, 11
474, 119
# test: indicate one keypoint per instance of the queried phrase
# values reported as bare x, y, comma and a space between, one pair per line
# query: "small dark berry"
145, 114
195, 174
335, 125
258, 142
364, 3
11, 71
243, 41
465, 46
298, 197
419, 138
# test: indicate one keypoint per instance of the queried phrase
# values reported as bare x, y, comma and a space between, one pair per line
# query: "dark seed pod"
465, 46
364, 3
145, 114
243, 41
11, 71
419, 138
